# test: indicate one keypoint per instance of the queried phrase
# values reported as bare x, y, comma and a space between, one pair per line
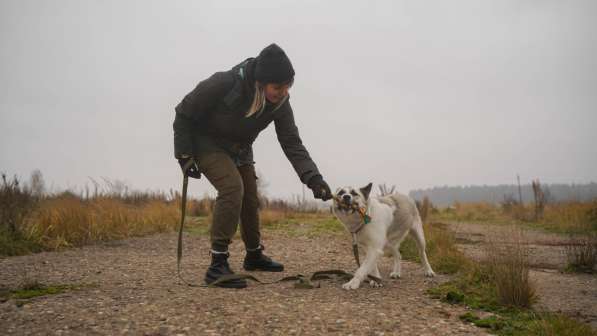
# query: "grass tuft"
581, 254
508, 267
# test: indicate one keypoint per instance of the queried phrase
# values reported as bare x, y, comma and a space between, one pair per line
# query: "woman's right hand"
190, 165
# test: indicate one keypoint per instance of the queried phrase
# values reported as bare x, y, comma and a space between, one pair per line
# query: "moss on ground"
33, 289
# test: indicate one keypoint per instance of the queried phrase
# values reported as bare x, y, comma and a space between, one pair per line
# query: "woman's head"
276, 92
273, 70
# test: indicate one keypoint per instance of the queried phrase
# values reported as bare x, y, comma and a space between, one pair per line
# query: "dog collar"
364, 215
366, 219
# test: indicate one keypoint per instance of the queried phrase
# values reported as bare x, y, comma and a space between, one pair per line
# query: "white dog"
380, 224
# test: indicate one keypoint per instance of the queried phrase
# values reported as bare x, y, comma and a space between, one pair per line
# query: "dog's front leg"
368, 265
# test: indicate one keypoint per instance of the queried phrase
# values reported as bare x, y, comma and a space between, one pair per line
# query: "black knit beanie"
273, 66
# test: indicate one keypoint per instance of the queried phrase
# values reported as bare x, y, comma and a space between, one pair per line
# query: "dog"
381, 224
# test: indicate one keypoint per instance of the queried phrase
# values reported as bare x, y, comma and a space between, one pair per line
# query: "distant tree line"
446, 195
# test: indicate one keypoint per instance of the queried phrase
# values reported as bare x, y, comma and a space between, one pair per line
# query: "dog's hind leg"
397, 269
417, 233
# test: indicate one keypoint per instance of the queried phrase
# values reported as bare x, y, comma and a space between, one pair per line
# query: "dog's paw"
430, 273
395, 275
375, 284
352, 284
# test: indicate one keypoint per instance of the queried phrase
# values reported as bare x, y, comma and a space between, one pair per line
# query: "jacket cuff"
307, 176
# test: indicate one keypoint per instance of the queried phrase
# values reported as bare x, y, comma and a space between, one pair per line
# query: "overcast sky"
410, 93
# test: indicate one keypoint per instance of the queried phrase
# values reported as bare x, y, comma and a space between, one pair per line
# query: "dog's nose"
346, 198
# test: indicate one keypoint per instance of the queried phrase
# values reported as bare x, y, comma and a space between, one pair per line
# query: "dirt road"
132, 289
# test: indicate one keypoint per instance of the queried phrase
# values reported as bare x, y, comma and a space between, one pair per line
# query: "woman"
214, 129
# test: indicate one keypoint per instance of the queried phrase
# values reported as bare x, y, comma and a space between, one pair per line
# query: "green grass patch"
13, 244
33, 289
196, 226
474, 288
529, 323
39, 290
492, 322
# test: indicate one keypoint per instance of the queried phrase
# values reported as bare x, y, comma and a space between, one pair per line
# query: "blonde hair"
258, 104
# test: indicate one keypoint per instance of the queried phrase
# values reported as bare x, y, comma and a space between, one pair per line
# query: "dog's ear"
366, 190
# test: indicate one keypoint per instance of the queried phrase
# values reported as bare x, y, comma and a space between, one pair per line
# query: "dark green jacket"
212, 118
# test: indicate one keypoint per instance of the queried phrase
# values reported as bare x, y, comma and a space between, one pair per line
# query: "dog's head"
348, 198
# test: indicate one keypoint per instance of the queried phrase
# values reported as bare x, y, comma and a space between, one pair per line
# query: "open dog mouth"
346, 205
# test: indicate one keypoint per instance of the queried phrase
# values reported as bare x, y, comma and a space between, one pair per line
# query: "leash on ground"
301, 281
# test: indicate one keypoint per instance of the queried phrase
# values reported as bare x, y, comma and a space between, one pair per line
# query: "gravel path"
134, 291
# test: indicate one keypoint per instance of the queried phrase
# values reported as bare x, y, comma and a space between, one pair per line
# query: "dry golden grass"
577, 217
267, 217
476, 211
70, 221
200, 207
508, 266
571, 216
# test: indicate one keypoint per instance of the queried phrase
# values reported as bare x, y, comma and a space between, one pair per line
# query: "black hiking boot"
255, 260
219, 267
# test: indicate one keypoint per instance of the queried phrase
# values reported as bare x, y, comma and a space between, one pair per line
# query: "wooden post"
519, 190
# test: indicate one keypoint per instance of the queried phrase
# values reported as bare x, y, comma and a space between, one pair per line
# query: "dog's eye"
342, 192
354, 193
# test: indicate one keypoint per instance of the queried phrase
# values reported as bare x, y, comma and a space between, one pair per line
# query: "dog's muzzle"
345, 203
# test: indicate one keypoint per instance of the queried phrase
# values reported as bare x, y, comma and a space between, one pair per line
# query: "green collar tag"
366, 219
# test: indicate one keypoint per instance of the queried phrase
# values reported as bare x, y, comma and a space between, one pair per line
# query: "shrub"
15, 202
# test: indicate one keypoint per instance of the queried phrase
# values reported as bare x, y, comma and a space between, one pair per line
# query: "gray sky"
423, 93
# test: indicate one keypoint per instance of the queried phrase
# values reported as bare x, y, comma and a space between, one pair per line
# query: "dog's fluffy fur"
393, 217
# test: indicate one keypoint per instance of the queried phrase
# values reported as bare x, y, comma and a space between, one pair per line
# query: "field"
104, 263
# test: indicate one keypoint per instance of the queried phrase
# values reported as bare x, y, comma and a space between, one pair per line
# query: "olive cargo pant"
237, 198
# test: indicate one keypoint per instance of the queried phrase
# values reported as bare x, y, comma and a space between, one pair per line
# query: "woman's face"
274, 93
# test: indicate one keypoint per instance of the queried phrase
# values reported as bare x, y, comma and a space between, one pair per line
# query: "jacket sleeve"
194, 109
292, 145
